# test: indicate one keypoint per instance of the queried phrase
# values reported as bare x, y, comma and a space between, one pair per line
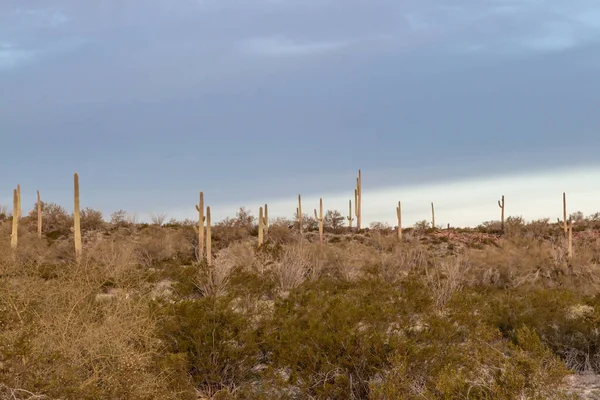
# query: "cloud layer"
263, 99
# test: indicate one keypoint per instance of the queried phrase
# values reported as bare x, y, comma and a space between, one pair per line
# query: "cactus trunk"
201, 219
39, 215
570, 239
19, 201
208, 238
399, 215
565, 212
358, 200
77, 218
432, 216
320, 219
14, 237
299, 214
266, 220
260, 226
349, 217
501, 205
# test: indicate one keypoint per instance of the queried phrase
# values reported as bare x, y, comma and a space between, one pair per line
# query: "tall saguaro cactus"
14, 237
39, 215
19, 201
349, 217
570, 238
358, 200
501, 205
565, 227
432, 216
201, 219
399, 215
261, 226
320, 219
208, 238
299, 214
266, 219
76, 218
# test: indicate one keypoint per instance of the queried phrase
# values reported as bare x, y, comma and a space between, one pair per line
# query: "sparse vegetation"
149, 312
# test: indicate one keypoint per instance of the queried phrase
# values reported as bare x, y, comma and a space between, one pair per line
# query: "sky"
451, 101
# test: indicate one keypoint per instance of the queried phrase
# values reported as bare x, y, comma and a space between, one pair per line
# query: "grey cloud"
281, 46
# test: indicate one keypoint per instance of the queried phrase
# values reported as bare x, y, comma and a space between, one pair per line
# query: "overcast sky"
259, 100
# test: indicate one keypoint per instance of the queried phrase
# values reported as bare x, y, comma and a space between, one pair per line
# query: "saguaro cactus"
570, 238
261, 227
19, 201
565, 212
299, 214
208, 238
399, 215
266, 219
432, 216
201, 219
14, 237
39, 215
501, 205
358, 200
76, 218
320, 219
349, 217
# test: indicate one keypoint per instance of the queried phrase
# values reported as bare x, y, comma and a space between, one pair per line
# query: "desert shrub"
381, 227
422, 226
215, 342
334, 336
565, 320
447, 362
57, 339
293, 268
212, 279
157, 245
491, 227
445, 279
91, 220
333, 221
120, 219
280, 231
57, 222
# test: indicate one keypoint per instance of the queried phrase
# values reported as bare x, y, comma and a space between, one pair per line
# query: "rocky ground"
586, 386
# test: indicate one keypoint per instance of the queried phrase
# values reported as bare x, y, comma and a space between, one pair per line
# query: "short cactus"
349, 217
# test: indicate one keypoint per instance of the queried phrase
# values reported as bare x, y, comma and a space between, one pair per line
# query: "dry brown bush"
57, 339
445, 278
212, 280
293, 268
156, 244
